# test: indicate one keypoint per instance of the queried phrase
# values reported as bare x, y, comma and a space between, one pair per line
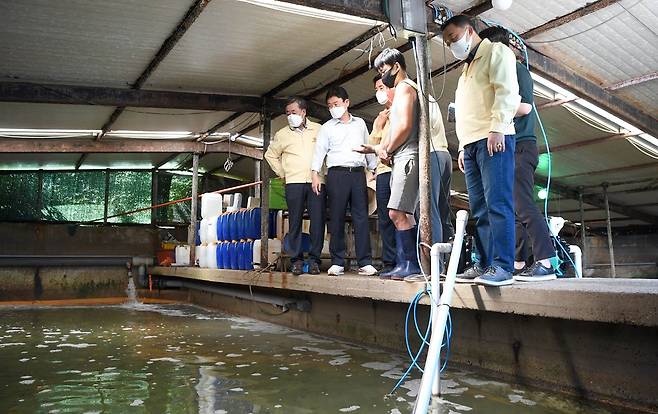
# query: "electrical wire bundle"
412, 310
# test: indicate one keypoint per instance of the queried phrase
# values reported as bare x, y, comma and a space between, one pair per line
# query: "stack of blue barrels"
236, 232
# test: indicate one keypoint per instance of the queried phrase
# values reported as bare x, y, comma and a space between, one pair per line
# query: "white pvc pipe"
578, 259
435, 272
431, 370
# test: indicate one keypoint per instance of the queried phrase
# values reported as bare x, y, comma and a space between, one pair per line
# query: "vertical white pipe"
578, 259
439, 324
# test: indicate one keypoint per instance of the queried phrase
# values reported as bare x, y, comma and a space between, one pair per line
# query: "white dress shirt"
337, 141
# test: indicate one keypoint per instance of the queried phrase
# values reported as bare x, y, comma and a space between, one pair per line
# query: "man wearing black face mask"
401, 146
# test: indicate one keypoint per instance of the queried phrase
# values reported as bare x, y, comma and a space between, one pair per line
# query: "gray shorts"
404, 185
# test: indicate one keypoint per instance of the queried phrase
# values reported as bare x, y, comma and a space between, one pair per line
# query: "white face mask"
462, 47
295, 121
337, 112
381, 96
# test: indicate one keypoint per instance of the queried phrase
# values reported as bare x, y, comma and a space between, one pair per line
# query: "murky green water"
183, 359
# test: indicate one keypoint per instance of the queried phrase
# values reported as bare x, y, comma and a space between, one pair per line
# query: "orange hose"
169, 203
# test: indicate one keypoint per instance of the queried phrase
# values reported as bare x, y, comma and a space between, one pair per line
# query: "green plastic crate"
277, 194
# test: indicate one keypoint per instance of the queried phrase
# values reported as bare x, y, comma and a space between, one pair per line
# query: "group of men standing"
326, 167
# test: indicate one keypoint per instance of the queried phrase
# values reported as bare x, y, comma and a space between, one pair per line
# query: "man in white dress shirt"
346, 181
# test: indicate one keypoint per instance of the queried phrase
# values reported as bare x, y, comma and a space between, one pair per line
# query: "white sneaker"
336, 270
368, 270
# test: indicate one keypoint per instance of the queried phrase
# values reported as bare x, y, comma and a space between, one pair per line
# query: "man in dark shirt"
530, 223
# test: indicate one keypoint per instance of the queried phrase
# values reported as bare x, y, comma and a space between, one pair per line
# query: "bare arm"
405, 99
524, 109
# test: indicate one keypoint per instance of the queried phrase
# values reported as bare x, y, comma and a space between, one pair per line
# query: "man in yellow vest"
486, 100
290, 154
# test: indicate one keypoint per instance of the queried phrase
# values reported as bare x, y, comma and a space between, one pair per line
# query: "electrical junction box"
408, 17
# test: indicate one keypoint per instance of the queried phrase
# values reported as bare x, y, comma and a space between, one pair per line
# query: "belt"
349, 169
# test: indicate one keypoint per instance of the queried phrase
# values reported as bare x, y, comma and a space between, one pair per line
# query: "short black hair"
337, 91
303, 105
390, 56
376, 78
460, 20
496, 34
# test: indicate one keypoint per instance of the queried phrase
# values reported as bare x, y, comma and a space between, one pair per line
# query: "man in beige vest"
290, 155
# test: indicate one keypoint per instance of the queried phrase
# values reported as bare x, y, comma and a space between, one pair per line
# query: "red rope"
169, 203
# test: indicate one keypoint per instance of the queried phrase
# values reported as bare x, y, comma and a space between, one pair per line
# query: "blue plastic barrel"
218, 255
198, 233
226, 259
233, 226
220, 228
249, 255
242, 224
241, 255
233, 252
254, 223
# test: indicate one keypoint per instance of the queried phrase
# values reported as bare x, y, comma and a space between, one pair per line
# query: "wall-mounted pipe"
17, 260
281, 301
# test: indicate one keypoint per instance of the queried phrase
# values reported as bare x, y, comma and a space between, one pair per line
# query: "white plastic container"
211, 230
182, 254
235, 204
228, 201
197, 255
211, 256
203, 231
211, 205
202, 256
273, 251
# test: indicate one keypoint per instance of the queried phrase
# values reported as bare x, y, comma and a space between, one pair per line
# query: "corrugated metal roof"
613, 44
238, 47
158, 119
106, 43
525, 15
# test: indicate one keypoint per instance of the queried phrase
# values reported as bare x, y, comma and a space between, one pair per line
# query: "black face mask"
388, 78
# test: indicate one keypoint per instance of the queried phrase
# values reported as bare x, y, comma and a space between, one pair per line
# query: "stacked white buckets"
211, 208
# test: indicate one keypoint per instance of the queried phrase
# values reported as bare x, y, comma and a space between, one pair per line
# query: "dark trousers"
441, 175
300, 197
386, 226
490, 183
348, 188
530, 222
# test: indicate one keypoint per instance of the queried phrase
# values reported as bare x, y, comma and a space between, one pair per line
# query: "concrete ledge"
624, 301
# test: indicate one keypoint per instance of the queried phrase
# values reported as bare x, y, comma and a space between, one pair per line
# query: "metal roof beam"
130, 145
